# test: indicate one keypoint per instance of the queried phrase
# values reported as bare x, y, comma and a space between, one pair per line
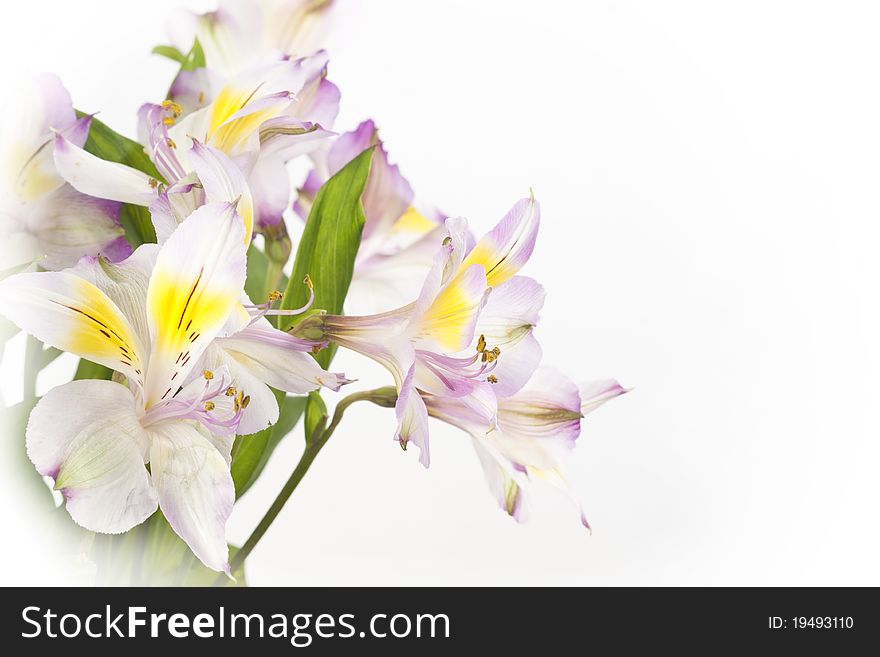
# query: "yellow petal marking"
412, 221
99, 330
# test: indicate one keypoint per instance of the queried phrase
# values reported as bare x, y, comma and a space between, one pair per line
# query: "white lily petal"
276, 358
195, 286
173, 206
69, 225
125, 283
195, 489
102, 179
505, 484
223, 181
86, 436
412, 418
69, 313
262, 408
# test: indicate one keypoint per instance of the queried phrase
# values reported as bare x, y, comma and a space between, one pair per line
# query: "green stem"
314, 445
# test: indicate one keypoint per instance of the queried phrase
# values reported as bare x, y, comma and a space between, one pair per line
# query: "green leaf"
330, 243
194, 59
137, 224
316, 415
89, 370
106, 143
251, 453
170, 52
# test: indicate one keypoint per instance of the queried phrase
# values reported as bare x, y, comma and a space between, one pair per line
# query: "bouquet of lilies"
205, 335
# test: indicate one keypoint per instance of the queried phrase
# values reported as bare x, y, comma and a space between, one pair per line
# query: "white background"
708, 173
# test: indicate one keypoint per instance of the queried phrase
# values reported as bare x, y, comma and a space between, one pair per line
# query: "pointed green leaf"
330, 243
194, 59
170, 52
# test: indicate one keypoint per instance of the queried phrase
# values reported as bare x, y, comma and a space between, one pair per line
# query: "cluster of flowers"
195, 359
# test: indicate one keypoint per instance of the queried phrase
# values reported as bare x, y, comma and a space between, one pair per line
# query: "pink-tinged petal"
306, 194
173, 206
194, 288
51, 107
44, 105
223, 181
297, 27
270, 186
278, 359
351, 144
557, 479
507, 247
237, 119
412, 419
539, 425
287, 138
516, 365
596, 393
86, 436
70, 313
319, 102
117, 250
505, 483
511, 311
506, 322
230, 35
194, 90
153, 131
70, 225
195, 488
78, 132
262, 409
383, 282
388, 194
100, 178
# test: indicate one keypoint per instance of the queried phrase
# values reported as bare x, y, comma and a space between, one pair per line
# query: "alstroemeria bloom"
156, 318
536, 429
41, 217
453, 341
259, 121
398, 242
240, 32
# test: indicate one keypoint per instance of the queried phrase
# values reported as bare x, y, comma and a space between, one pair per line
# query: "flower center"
218, 406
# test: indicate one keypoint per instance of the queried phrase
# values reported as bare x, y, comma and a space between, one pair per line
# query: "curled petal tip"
586, 523
337, 382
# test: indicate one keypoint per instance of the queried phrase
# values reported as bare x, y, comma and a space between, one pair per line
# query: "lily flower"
536, 429
41, 217
258, 121
154, 319
438, 344
398, 242
240, 32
